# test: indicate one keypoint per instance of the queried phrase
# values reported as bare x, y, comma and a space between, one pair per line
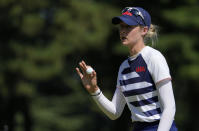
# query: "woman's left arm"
168, 102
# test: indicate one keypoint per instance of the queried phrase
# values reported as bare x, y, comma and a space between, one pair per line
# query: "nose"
122, 32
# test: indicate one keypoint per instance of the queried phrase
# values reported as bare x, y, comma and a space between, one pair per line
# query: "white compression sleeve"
168, 103
113, 109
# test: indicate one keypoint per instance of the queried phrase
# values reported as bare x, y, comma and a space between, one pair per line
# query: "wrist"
93, 89
96, 93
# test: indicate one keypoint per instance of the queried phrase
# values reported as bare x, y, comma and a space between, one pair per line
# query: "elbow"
114, 116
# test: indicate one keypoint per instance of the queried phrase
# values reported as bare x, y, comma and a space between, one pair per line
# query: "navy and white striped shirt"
137, 79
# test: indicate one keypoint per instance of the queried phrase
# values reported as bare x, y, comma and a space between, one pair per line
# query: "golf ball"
89, 70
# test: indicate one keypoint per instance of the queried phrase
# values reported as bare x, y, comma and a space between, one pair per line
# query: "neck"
136, 48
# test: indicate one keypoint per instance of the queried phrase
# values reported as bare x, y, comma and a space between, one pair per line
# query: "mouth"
123, 38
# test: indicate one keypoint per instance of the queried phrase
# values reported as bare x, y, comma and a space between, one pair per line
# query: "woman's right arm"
113, 109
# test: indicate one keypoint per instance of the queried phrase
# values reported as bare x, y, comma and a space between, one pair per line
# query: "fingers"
79, 73
83, 66
93, 74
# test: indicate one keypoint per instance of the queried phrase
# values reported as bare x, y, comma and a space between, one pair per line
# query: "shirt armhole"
163, 81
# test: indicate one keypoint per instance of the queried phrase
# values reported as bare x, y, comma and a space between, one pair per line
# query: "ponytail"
151, 35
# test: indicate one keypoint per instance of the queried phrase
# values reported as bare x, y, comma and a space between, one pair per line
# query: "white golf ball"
89, 70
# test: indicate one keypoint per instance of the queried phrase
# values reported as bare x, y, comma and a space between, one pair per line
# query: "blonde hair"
152, 35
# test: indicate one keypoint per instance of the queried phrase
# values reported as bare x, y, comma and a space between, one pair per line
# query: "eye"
125, 27
129, 27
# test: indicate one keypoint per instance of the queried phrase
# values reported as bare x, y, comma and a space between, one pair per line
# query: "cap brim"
129, 20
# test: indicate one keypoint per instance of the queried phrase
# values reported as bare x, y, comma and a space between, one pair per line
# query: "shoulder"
156, 64
151, 55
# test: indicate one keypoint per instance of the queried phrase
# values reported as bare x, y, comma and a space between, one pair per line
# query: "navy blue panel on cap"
134, 20
146, 15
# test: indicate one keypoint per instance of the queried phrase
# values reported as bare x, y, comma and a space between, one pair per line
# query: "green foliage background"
41, 43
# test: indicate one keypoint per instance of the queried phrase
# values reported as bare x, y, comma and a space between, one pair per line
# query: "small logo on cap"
127, 13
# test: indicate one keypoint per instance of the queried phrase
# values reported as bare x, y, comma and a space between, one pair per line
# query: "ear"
144, 30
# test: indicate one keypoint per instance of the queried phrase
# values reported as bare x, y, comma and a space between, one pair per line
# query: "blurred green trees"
41, 43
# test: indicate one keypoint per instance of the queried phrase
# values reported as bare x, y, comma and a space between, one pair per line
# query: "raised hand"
89, 80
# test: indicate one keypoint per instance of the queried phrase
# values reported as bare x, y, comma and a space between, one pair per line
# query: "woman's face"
130, 35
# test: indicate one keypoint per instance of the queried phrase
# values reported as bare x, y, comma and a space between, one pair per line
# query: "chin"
125, 43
